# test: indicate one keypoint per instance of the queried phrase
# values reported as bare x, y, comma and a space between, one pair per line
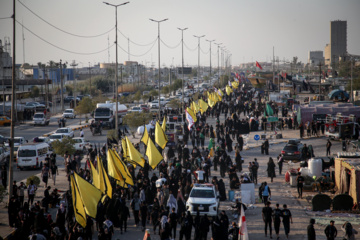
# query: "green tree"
112, 134
175, 103
85, 106
154, 93
135, 119
35, 92
63, 146
165, 90
69, 90
145, 97
137, 96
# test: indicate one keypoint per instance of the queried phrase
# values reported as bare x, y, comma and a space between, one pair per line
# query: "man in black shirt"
311, 230
266, 214
331, 231
173, 221
286, 215
277, 220
300, 181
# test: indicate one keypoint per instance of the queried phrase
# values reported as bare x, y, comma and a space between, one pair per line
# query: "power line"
204, 52
190, 48
138, 55
63, 49
138, 44
72, 34
170, 46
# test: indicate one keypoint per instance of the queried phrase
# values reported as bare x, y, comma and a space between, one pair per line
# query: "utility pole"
74, 64
13, 96
198, 72
320, 79
210, 41
182, 64
273, 67
158, 22
351, 80
218, 44
61, 86
89, 68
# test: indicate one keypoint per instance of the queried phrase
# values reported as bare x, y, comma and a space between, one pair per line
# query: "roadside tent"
347, 177
338, 94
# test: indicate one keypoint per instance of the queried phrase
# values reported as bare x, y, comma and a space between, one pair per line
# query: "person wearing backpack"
108, 227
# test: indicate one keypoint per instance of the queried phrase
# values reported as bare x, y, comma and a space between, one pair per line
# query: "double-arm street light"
116, 65
198, 72
210, 41
182, 64
218, 51
158, 22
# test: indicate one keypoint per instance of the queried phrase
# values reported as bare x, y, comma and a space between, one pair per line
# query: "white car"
154, 104
66, 131
56, 136
17, 142
69, 113
203, 198
81, 144
136, 109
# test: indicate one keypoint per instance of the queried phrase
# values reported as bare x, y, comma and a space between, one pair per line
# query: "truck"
341, 127
105, 113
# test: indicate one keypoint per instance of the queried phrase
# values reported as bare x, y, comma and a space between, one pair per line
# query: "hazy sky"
248, 29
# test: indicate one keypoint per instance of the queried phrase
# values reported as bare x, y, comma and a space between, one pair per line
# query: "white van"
41, 118
31, 155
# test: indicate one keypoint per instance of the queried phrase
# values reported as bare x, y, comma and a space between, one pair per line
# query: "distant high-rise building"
338, 42
316, 57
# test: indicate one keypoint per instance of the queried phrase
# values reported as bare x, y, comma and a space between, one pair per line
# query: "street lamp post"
218, 44
158, 22
116, 65
182, 64
210, 41
198, 73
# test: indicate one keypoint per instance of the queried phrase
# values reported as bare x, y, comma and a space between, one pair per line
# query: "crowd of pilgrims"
160, 208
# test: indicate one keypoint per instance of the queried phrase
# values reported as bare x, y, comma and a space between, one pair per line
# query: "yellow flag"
211, 102
125, 149
196, 107
105, 185
122, 168
134, 154
113, 170
90, 195
79, 209
235, 84
160, 137
95, 176
203, 106
153, 154
163, 126
145, 136
192, 114
211, 153
228, 90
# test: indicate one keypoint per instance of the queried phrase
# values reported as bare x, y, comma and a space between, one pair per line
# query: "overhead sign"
257, 137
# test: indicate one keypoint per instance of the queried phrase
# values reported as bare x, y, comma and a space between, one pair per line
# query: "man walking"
267, 214
300, 183
277, 220
328, 147
311, 230
287, 218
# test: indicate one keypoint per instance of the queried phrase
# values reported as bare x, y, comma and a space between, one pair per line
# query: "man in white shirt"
200, 175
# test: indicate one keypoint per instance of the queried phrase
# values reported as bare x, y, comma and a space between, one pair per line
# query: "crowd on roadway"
161, 207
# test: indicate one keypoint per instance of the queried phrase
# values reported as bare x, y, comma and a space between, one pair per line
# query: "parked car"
65, 131
18, 141
136, 109
144, 107
203, 198
5, 121
81, 144
69, 113
32, 105
56, 136
44, 103
32, 155
292, 150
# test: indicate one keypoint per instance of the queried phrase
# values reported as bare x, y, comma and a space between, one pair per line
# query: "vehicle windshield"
77, 140
68, 111
61, 131
203, 193
17, 140
136, 108
103, 112
16, 148
55, 137
290, 148
39, 115
41, 140
27, 153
